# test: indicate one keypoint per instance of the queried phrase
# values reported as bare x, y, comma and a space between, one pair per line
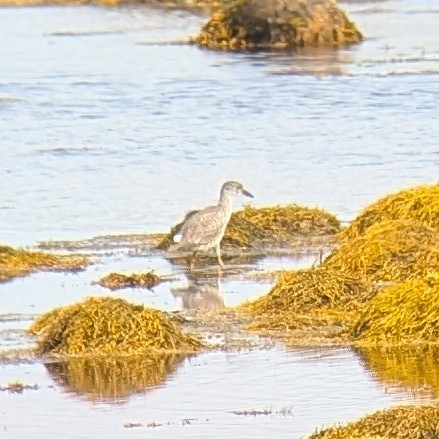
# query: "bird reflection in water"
201, 293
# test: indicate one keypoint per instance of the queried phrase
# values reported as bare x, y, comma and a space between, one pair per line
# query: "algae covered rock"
419, 203
19, 262
389, 250
403, 422
405, 313
107, 326
278, 24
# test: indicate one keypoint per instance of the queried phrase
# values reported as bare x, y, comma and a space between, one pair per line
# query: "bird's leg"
218, 255
191, 266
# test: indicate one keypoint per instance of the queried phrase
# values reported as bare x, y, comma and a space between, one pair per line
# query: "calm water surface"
109, 126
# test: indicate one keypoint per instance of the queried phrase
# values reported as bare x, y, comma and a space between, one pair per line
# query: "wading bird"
205, 229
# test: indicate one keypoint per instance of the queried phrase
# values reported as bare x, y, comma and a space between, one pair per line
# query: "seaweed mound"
17, 262
420, 203
390, 250
404, 313
278, 226
277, 24
404, 422
107, 326
253, 227
315, 297
379, 285
115, 281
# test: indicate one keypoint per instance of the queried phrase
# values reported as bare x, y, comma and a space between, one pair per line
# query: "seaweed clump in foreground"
376, 287
17, 262
403, 422
108, 326
278, 24
115, 281
257, 228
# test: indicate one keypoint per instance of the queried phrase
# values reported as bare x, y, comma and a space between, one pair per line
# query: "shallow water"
109, 126
317, 386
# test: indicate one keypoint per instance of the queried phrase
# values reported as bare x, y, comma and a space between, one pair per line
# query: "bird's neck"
226, 203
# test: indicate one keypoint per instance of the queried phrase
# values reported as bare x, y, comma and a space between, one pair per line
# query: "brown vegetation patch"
404, 422
17, 262
278, 24
115, 281
108, 326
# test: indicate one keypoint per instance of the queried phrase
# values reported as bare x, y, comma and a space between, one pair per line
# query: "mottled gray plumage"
205, 229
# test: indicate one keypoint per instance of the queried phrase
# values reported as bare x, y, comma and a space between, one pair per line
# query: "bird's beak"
247, 194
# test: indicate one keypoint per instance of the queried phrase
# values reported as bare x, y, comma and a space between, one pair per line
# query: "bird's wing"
202, 227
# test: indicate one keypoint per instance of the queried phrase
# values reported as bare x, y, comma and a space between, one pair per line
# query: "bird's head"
232, 188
